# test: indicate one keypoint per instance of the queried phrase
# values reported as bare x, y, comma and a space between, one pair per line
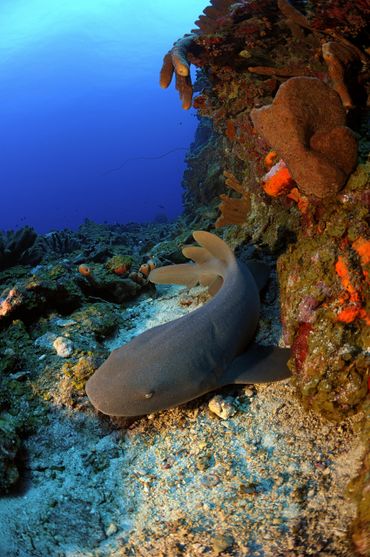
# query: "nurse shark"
204, 350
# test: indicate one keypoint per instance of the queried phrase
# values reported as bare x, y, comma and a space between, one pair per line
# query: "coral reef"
100, 282
119, 264
16, 248
278, 180
310, 210
60, 242
203, 178
278, 79
122, 484
218, 12
340, 59
343, 19
10, 444
17, 418
266, 472
176, 61
359, 489
52, 287
45, 357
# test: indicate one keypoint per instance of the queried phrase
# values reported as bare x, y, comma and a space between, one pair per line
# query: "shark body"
197, 353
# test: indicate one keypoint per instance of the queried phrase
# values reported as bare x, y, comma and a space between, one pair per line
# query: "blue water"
79, 97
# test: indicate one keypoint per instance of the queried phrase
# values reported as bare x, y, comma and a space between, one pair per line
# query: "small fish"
202, 351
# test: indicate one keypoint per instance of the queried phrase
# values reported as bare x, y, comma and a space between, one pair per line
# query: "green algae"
10, 445
74, 377
100, 319
16, 348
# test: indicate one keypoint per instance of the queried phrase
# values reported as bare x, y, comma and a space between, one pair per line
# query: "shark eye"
149, 395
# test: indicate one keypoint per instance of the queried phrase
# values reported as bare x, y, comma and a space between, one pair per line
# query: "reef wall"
285, 88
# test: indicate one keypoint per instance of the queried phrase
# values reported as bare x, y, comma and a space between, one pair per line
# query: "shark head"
128, 385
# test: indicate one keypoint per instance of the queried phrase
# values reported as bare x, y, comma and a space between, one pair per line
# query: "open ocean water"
79, 98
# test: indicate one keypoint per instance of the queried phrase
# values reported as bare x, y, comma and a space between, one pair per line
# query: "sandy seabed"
268, 481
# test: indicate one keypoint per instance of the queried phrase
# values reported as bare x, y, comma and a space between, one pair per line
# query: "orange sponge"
278, 180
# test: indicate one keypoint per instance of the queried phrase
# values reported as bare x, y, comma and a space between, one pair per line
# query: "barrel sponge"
305, 125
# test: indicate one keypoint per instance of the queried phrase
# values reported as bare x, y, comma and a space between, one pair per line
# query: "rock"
221, 543
111, 529
46, 341
223, 407
63, 346
249, 392
64, 322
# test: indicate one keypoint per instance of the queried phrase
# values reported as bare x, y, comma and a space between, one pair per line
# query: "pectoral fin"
258, 364
211, 259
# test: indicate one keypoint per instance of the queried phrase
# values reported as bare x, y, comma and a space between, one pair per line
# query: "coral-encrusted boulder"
305, 124
49, 287
325, 310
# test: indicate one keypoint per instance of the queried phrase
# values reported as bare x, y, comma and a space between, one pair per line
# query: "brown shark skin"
202, 351
185, 358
